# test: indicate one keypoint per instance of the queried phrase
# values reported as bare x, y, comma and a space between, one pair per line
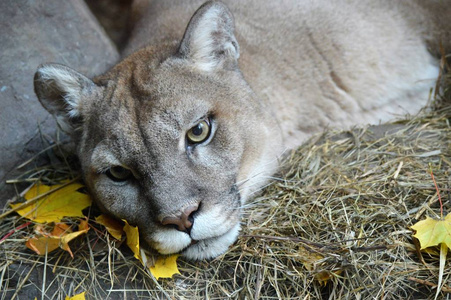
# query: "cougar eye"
199, 133
118, 173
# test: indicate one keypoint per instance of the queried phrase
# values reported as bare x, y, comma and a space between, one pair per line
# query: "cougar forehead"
144, 122
142, 115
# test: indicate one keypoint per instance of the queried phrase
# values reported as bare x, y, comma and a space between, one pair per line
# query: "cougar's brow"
141, 132
139, 87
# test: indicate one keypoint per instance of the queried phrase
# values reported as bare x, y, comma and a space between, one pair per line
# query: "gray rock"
32, 33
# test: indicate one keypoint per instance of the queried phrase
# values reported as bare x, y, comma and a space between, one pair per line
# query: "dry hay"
333, 225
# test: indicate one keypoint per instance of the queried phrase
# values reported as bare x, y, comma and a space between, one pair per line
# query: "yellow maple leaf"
324, 276
165, 267
132, 239
65, 239
80, 296
432, 232
59, 229
42, 244
113, 226
64, 202
309, 258
47, 241
60, 237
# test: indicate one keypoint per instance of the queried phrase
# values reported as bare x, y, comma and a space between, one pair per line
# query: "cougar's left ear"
209, 41
61, 91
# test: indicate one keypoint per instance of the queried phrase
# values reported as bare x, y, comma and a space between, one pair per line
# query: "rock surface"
32, 33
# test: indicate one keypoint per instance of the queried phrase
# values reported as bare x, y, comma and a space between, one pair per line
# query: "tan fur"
303, 66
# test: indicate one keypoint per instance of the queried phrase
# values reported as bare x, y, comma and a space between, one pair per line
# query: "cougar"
180, 134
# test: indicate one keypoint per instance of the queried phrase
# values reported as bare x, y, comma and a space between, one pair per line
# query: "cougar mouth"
203, 246
211, 247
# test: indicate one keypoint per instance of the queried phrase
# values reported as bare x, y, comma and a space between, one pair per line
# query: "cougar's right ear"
60, 91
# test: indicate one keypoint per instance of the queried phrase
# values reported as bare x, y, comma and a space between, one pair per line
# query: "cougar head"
172, 139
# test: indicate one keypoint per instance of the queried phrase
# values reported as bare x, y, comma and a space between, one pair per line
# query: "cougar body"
177, 136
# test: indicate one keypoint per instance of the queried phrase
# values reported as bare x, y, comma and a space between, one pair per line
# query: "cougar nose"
184, 221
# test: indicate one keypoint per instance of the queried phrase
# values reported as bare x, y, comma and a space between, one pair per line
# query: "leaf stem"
438, 194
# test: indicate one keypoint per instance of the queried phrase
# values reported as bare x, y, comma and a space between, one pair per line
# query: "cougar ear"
209, 41
60, 91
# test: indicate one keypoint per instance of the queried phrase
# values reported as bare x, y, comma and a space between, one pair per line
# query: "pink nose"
184, 221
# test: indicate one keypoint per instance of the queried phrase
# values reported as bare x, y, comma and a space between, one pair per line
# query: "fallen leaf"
65, 202
113, 226
84, 225
165, 267
43, 244
132, 239
324, 276
65, 239
60, 237
309, 258
432, 232
47, 241
60, 229
80, 296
